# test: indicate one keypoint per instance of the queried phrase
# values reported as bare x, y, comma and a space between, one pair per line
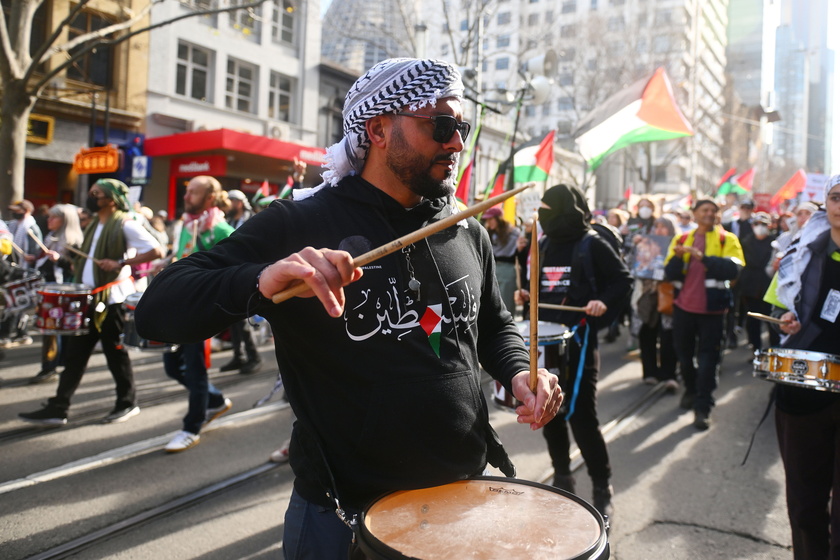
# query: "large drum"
549, 334
64, 309
130, 337
486, 518
800, 368
21, 295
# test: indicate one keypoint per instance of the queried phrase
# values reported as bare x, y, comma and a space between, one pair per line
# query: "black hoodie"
392, 386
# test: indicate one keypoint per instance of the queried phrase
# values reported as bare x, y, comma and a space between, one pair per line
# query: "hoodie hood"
567, 216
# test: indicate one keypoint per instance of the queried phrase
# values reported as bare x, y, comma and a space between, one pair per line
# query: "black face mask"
17, 215
92, 204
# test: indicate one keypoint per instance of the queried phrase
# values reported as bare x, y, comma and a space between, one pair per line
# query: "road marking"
128, 451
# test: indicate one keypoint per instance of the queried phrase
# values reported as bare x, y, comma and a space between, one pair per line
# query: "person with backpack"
578, 267
701, 264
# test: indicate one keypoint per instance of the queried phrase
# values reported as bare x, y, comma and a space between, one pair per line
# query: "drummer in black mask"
806, 293
578, 268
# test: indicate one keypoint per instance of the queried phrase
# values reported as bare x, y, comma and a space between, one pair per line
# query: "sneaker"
44, 375
564, 482
687, 401
182, 441
232, 365
213, 413
701, 420
280, 455
121, 414
602, 499
47, 416
252, 366
671, 386
651, 381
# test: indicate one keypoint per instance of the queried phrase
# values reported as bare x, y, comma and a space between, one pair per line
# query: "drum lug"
824, 370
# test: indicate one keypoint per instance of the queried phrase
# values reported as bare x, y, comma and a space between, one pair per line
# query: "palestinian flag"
740, 185
462, 193
533, 163
430, 323
644, 112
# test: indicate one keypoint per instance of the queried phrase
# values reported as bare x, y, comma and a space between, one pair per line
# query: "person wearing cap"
805, 294
381, 366
25, 253
754, 279
701, 264
114, 241
503, 236
240, 332
21, 225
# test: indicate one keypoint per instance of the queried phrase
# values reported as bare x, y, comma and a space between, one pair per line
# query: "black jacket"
391, 388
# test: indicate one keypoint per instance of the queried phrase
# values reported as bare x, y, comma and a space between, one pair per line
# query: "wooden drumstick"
81, 254
16, 248
562, 307
38, 241
534, 310
408, 239
768, 318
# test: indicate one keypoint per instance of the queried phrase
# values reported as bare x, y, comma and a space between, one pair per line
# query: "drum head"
54, 288
547, 333
484, 519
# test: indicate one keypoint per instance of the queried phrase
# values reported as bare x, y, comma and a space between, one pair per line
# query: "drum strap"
581, 362
770, 402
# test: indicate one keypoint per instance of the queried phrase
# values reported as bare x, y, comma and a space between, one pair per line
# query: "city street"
95, 491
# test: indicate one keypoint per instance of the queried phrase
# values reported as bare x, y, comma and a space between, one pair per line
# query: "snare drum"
550, 334
801, 368
130, 338
486, 518
63, 309
21, 295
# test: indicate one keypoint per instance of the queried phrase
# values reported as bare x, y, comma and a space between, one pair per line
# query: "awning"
234, 141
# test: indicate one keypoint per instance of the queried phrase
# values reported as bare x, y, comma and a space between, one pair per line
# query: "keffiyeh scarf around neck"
386, 88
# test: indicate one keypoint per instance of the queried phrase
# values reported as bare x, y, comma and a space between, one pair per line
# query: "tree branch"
40, 84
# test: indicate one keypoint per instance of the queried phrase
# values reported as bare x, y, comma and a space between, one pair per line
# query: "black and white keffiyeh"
387, 87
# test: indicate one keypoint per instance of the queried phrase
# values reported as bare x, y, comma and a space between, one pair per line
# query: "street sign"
105, 159
140, 170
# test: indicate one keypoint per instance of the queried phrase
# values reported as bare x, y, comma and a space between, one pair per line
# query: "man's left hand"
538, 408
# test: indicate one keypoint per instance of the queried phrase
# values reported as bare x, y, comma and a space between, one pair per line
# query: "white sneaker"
280, 455
213, 413
182, 441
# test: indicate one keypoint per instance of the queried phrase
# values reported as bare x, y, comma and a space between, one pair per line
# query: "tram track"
150, 393
611, 430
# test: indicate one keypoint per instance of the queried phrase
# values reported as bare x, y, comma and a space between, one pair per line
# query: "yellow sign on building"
39, 129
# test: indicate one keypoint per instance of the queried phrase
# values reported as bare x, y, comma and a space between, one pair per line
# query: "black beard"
414, 170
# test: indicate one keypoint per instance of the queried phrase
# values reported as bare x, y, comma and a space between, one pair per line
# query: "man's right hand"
325, 271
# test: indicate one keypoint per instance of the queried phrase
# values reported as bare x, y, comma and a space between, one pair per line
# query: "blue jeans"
313, 532
186, 366
705, 332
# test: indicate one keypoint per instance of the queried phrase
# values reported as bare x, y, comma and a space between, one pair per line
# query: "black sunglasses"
445, 126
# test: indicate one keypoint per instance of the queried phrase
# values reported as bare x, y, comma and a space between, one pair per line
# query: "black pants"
77, 353
703, 333
240, 334
584, 420
656, 349
810, 450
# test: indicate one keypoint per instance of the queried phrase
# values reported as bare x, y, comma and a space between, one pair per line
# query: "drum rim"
811, 355
370, 544
80, 289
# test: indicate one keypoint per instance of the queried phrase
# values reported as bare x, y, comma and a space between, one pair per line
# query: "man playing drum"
382, 367
114, 242
806, 293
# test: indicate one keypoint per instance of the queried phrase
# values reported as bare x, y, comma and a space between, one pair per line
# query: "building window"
568, 31
193, 73
502, 41
567, 79
593, 5
283, 22
533, 19
464, 25
96, 67
616, 23
662, 17
199, 4
549, 16
567, 55
568, 7
502, 63
240, 86
280, 97
503, 18
565, 103
246, 21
